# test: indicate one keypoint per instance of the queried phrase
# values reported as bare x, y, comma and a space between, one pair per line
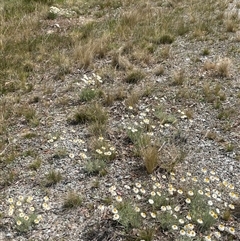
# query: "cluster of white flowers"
61, 12
105, 151
24, 211
92, 80
45, 204
184, 224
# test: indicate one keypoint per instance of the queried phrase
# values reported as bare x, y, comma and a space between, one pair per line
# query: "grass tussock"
52, 178
223, 67
72, 200
178, 77
95, 167
35, 165
150, 157
93, 113
134, 76
132, 99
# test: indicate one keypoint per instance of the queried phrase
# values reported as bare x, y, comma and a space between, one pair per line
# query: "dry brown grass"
133, 98
223, 67
93, 113
165, 52
178, 77
220, 68
159, 70
150, 158
121, 62
110, 96
208, 65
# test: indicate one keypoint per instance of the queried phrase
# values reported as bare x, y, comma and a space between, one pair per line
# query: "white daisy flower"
174, 227
153, 215
115, 216
150, 201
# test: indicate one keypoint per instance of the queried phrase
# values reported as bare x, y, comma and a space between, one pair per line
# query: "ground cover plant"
119, 120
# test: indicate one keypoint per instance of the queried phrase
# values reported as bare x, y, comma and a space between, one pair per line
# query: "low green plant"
107, 200
29, 114
88, 94
229, 147
160, 200
102, 150
8, 177
8, 157
94, 166
108, 98
199, 209
165, 52
179, 207
166, 220
189, 113
205, 52
107, 155
128, 217
185, 93
121, 94
29, 152
23, 224
30, 135
226, 214
164, 117
120, 62
95, 183
213, 94
24, 213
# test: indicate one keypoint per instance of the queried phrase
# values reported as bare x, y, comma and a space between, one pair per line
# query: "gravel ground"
189, 135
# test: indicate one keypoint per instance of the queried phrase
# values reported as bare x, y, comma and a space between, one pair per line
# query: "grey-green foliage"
87, 94
199, 209
94, 166
128, 217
